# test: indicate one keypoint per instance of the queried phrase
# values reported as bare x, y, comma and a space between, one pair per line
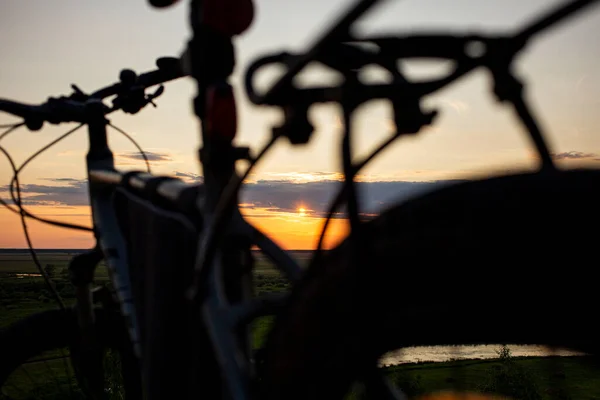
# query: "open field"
14, 263
23, 292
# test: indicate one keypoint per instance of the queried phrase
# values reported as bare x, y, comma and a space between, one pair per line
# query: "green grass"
26, 295
561, 377
20, 297
51, 376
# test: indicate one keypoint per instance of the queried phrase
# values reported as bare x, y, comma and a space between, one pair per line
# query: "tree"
50, 270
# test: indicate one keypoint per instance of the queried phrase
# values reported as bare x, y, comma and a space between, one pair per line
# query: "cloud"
189, 176
61, 179
152, 156
298, 177
264, 197
316, 196
74, 193
576, 155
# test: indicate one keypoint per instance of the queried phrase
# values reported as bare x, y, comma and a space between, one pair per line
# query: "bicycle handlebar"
414, 46
168, 70
391, 49
326, 94
334, 34
19, 109
71, 108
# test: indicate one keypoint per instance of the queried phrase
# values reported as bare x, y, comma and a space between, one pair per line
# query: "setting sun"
302, 211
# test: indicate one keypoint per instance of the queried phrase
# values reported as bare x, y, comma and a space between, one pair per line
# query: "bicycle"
62, 327
322, 343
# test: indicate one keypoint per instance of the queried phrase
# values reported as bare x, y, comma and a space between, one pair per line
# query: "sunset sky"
45, 46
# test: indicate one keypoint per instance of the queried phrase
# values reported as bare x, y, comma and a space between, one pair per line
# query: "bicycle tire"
57, 329
343, 316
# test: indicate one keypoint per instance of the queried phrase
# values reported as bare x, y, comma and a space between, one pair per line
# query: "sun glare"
301, 211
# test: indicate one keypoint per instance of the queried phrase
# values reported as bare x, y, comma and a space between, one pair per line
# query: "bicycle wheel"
36, 358
473, 263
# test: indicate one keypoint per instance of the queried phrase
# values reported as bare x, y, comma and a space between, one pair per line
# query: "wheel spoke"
29, 375
53, 375
68, 373
10, 384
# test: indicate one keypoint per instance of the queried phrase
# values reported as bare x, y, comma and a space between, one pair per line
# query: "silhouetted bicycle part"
337, 301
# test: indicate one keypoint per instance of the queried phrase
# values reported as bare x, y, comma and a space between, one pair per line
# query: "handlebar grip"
32, 115
18, 109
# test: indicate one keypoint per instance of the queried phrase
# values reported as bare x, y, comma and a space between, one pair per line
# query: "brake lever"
79, 94
132, 97
158, 92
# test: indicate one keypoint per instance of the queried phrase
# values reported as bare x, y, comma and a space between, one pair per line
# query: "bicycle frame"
220, 316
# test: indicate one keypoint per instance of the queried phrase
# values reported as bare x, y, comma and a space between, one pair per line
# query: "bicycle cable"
132, 140
2, 126
29, 215
26, 212
37, 153
211, 239
32, 251
11, 128
17, 199
342, 192
62, 224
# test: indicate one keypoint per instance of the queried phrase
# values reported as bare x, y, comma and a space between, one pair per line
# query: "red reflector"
162, 3
230, 17
221, 115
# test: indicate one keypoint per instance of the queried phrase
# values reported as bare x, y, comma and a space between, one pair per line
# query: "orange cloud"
576, 155
296, 230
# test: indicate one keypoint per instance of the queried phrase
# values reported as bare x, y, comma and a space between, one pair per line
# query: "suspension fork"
81, 274
110, 246
86, 353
